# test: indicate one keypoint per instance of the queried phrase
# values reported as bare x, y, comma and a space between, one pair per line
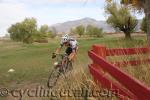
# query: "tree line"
89, 30
27, 31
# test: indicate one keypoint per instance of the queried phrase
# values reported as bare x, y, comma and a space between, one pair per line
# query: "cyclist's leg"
68, 52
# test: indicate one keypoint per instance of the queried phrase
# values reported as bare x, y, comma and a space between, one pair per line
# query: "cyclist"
71, 45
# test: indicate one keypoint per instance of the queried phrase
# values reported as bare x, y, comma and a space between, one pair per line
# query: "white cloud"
52, 15
11, 13
48, 11
49, 1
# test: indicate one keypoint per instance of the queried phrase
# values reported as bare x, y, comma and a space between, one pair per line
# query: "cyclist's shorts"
69, 50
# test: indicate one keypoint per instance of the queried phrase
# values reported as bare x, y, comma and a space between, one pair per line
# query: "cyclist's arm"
59, 49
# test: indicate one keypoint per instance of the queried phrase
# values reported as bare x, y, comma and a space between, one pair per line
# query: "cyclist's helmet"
64, 38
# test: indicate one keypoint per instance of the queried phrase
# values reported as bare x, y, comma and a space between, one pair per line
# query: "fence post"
100, 51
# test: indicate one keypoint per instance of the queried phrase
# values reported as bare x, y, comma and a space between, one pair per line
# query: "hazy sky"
49, 11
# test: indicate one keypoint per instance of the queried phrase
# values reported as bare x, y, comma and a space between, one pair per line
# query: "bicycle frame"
61, 59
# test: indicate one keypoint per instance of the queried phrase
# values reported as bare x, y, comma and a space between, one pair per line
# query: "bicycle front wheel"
53, 77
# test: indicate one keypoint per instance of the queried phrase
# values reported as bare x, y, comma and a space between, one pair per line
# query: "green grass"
32, 62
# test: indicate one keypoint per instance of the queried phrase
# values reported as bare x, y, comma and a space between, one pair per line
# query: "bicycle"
61, 66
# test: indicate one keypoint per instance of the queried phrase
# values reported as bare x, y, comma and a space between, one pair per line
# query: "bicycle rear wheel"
53, 77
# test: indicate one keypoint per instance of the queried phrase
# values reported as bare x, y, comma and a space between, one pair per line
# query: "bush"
94, 31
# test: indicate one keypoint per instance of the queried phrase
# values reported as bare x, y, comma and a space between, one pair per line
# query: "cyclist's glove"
53, 55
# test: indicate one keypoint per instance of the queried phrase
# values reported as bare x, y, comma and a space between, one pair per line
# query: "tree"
141, 5
44, 29
6, 36
44, 33
52, 32
72, 31
121, 18
89, 30
144, 25
80, 30
94, 31
98, 32
23, 31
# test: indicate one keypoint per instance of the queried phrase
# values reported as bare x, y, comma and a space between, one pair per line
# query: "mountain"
66, 26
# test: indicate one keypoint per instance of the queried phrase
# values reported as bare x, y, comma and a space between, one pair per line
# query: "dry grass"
140, 72
80, 79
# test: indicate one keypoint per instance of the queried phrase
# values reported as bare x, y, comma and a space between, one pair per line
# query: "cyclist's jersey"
72, 43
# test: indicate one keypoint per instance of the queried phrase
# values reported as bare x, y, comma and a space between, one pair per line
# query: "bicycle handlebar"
60, 54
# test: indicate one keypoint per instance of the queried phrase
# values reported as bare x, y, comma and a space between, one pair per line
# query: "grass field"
32, 62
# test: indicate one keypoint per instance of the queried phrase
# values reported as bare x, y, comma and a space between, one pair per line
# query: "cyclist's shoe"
53, 55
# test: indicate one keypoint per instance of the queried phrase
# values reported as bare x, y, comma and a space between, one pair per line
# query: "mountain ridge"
66, 26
